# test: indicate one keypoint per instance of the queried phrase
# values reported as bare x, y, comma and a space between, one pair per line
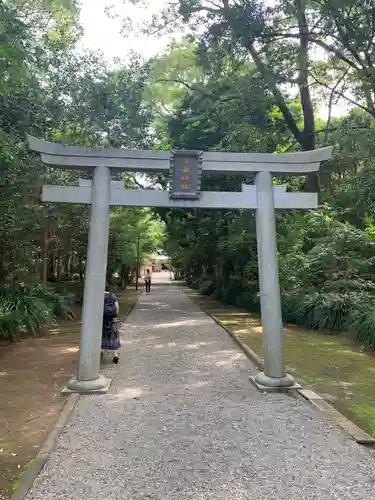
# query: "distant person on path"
110, 331
148, 281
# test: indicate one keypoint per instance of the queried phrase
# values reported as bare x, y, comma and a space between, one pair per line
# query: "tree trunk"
109, 276
64, 266
81, 270
51, 266
69, 266
305, 138
3, 266
123, 276
308, 135
44, 257
58, 266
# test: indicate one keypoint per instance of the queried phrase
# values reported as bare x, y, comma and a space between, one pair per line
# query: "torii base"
264, 383
98, 386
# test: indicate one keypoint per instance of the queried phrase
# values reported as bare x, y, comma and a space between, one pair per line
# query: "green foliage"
50, 89
320, 311
326, 256
27, 310
134, 234
60, 302
361, 322
206, 286
227, 87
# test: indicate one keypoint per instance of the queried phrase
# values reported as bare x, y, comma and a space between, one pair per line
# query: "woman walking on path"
148, 281
110, 330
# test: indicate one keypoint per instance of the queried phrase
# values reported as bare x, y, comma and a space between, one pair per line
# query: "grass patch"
334, 366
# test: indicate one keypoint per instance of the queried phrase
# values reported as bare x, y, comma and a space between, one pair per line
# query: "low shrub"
61, 302
27, 310
291, 308
361, 323
319, 311
330, 310
333, 312
206, 286
229, 290
193, 282
249, 299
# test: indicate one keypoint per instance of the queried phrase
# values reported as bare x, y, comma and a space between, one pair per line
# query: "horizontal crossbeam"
59, 155
247, 199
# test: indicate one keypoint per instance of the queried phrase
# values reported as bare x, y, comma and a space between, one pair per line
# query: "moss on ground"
334, 366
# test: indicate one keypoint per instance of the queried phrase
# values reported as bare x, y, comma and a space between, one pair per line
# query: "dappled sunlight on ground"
69, 349
254, 329
170, 345
137, 341
130, 393
198, 385
197, 345
237, 314
186, 322
334, 366
230, 361
349, 352
159, 346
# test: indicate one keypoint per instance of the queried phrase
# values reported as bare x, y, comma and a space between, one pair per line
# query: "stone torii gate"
186, 169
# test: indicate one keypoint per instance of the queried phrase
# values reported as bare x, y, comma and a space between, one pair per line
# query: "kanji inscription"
185, 174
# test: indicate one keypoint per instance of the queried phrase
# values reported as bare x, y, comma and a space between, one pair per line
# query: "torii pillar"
274, 375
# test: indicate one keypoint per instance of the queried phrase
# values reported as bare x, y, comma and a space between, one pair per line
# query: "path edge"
130, 308
29, 475
315, 400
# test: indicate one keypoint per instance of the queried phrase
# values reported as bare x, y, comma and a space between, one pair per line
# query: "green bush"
229, 290
319, 311
194, 283
26, 310
361, 323
335, 309
333, 312
249, 299
61, 303
206, 286
291, 308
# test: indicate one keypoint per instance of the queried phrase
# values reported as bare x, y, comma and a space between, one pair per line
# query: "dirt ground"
32, 374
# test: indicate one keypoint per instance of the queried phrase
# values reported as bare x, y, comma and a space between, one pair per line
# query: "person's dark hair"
148, 271
106, 287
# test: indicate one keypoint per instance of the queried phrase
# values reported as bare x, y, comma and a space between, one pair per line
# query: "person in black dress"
110, 330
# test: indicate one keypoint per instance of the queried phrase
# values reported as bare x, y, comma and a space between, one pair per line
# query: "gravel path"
182, 421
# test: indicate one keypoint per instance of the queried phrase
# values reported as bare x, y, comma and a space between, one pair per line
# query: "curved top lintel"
301, 157
57, 149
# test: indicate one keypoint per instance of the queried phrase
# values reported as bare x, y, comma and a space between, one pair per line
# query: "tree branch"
197, 89
270, 80
320, 43
334, 129
330, 103
339, 23
138, 183
343, 96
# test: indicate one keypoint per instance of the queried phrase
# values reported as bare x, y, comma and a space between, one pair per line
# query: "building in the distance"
156, 264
